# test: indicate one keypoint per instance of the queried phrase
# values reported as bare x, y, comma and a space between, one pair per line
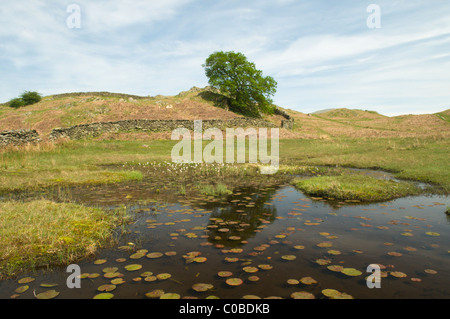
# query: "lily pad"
265, 267
105, 295
224, 274
202, 287
22, 289
335, 268
170, 296
289, 257
154, 255
308, 281
106, 288
133, 267
293, 281
163, 276
352, 272
398, 274
117, 281
234, 281
49, 294
157, 293
110, 269
99, 261
302, 295
26, 280
45, 285
250, 269
432, 233
330, 293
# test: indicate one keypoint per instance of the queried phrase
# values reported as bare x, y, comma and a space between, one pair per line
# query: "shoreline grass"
355, 187
43, 233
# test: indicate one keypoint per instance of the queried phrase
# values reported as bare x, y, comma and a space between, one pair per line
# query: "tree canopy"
249, 92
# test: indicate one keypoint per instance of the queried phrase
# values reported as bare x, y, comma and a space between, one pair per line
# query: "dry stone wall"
18, 137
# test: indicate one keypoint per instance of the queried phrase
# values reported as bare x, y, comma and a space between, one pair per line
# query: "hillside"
71, 109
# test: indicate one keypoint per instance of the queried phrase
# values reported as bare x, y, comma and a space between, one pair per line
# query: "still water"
275, 239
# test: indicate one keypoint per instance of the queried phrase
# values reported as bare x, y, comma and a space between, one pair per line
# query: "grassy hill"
70, 109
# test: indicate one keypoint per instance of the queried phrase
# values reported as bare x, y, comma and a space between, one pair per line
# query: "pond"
261, 241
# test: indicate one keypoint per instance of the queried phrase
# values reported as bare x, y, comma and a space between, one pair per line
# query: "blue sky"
321, 53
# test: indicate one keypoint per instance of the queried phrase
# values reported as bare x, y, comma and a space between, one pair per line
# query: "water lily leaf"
293, 281
26, 280
325, 244
49, 294
330, 293
289, 257
105, 295
253, 278
394, 254
110, 275
137, 255
133, 267
100, 261
154, 255
117, 281
163, 276
432, 233
234, 281
170, 296
335, 268
308, 281
352, 272
110, 269
202, 287
224, 274
431, 271
106, 288
334, 252
150, 278
22, 289
157, 293
250, 269
299, 247
302, 295
398, 274
265, 267
323, 262
93, 276
44, 285
200, 259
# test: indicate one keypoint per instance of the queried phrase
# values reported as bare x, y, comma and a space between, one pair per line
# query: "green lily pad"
163, 276
157, 293
106, 288
253, 278
352, 272
93, 276
308, 281
49, 294
26, 280
200, 259
117, 281
44, 285
334, 252
105, 295
323, 262
265, 267
110, 269
289, 257
234, 281
137, 255
202, 287
302, 295
154, 255
293, 281
432, 233
250, 269
335, 268
110, 275
224, 274
22, 289
170, 296
330, 293
100, 261
133, 267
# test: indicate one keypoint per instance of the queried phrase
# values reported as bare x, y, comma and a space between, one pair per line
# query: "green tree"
30, 97
248, 91
16, 103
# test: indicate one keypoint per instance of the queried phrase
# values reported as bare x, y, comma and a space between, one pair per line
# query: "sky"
323, 54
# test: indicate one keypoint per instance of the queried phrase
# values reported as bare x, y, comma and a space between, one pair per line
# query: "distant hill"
64, 110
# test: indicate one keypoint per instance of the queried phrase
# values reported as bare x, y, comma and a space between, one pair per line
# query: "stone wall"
18, 137
96, 129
